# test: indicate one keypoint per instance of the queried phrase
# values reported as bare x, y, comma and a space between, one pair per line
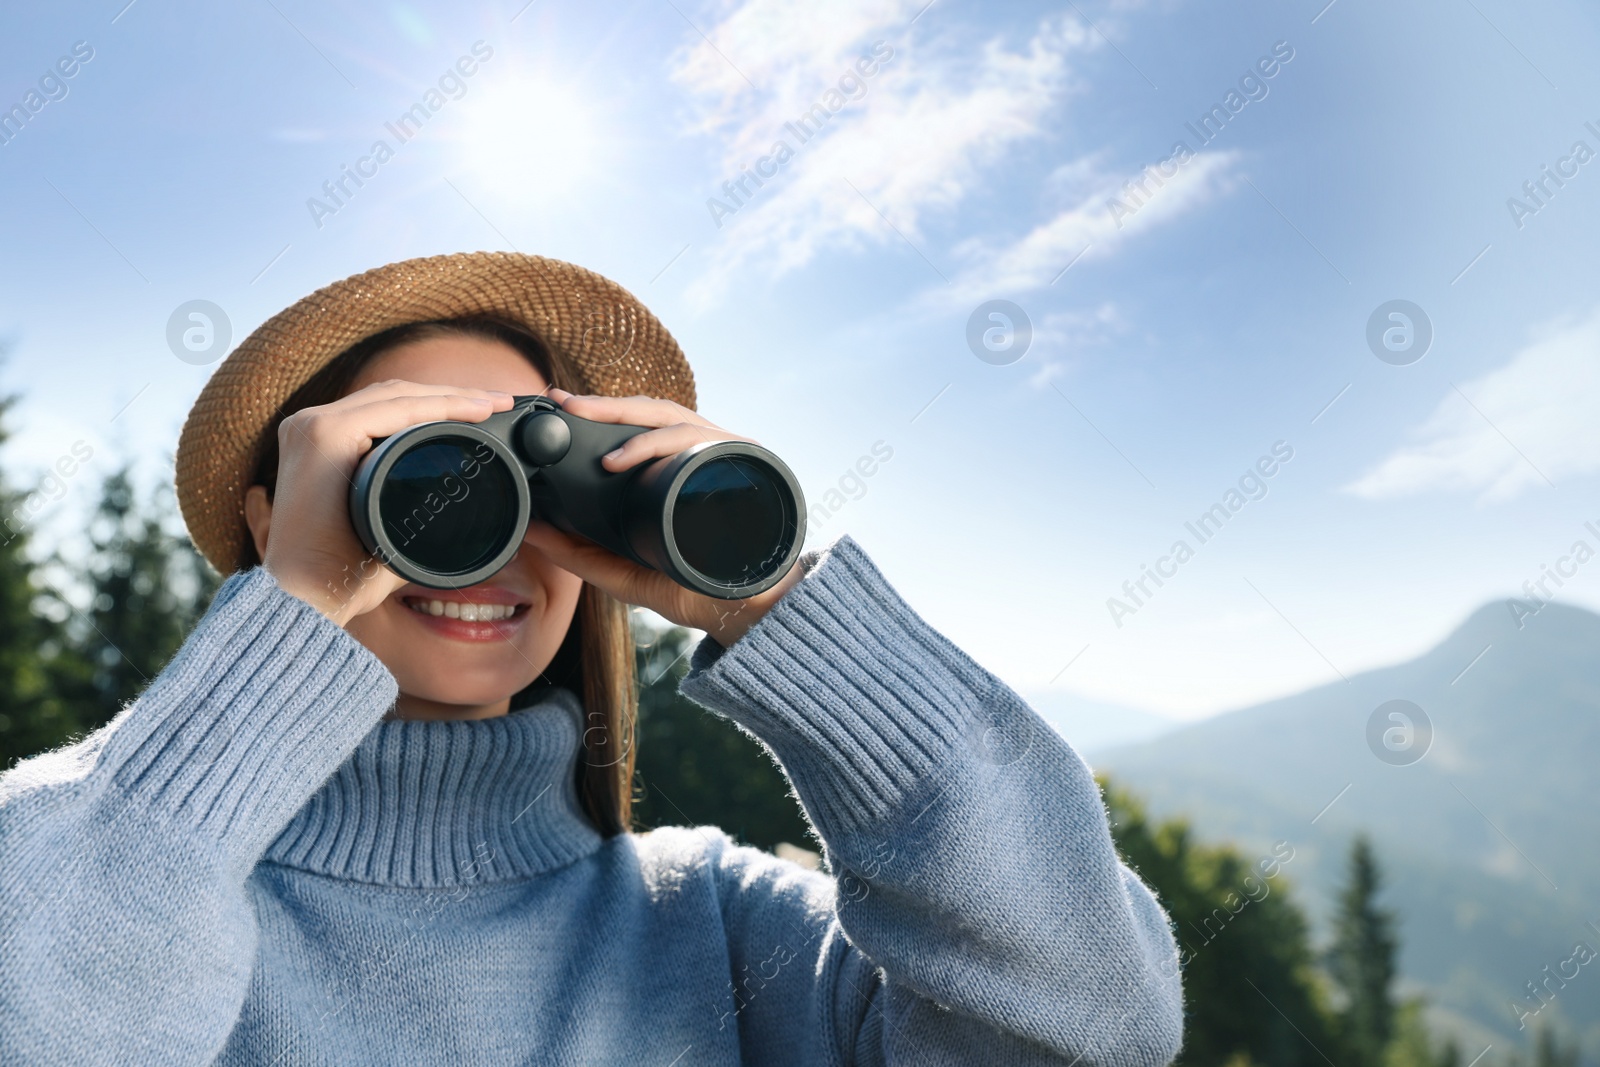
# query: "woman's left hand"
674, 429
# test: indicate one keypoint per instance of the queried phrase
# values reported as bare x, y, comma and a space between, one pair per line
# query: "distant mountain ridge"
1092, 725
1489, 840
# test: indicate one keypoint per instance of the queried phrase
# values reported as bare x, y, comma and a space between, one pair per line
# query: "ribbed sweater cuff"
260, 706
860, 699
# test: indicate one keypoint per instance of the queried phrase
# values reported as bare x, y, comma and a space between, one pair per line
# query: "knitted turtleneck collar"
447, 803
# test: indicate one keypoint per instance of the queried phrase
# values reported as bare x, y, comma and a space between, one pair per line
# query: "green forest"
85, 632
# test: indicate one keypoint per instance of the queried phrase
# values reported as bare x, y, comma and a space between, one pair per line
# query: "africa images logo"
338, 190
1253, 86
851, 85
52, 86
1252, 485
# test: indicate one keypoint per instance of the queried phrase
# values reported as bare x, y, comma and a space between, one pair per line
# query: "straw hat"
601, 338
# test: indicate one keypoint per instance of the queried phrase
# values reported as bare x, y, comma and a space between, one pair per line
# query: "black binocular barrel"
446, 504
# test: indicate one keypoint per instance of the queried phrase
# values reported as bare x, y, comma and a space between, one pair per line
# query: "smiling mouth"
457, 609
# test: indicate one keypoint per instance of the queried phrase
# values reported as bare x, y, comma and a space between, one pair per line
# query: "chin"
447, 682
470, 647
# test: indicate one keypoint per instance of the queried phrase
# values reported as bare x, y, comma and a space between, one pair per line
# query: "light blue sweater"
250, 865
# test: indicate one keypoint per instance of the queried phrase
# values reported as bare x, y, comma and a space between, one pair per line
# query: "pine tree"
1362, 961
1550, 1051
1250, 992
32, 717
1412, 1045
147, 587
696, 769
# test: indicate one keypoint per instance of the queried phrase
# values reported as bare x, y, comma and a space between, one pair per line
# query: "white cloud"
1061, 338
1539, 409
1089, 229
931, 119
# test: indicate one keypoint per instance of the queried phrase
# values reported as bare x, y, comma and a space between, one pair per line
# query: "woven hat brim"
601, 338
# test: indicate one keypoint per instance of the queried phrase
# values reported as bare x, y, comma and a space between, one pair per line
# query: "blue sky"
1177, 337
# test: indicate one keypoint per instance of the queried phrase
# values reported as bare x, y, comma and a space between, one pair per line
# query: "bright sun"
530, 138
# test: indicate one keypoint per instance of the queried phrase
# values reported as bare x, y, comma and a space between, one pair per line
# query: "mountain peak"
1477, 831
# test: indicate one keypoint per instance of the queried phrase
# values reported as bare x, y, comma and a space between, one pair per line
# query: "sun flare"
530, 138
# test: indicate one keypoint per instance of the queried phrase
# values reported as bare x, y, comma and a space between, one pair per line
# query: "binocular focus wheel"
446, 504
544, 438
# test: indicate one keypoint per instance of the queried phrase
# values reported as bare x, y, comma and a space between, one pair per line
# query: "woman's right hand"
311, 547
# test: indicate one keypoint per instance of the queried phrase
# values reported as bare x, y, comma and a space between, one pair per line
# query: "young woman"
359, 821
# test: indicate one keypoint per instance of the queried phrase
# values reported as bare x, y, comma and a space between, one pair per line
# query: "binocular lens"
731, 520
425, 511
446, 504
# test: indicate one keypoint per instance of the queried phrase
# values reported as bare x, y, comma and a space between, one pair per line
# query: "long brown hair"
595, 659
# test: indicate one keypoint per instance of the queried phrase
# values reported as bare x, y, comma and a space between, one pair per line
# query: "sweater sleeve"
978, 911
126, 935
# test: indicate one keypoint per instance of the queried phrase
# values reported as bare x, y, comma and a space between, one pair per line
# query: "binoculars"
446, 504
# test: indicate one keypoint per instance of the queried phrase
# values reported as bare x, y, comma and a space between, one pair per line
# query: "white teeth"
455, 609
